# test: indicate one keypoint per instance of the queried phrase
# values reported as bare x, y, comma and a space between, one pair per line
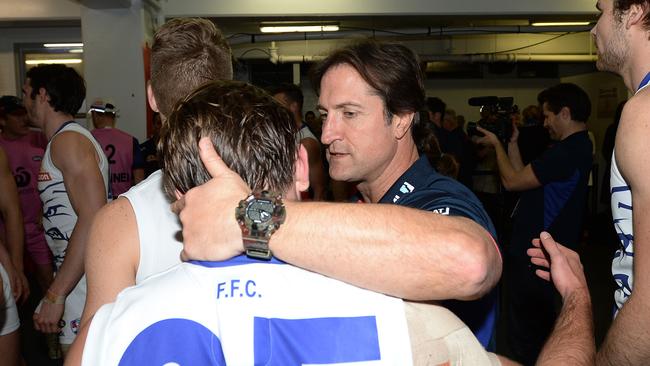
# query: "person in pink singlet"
121, 149
24, 148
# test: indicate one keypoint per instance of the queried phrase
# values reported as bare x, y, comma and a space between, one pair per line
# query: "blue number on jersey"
315, 341
179, 341
277, 342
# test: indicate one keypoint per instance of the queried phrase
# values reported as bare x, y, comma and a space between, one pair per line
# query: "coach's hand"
207, 212
560, 265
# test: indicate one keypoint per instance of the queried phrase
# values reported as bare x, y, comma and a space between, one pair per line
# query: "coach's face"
360, 142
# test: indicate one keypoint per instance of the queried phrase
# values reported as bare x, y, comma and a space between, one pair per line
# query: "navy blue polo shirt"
423, 188
558, 205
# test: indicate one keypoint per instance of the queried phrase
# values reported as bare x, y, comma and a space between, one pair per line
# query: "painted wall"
114, 64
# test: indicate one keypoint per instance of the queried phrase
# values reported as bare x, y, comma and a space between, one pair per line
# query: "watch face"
260, 211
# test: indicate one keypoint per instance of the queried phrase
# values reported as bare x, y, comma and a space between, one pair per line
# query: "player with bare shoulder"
622, 36
73, 185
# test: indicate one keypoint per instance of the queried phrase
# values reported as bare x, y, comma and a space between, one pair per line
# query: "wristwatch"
259, 216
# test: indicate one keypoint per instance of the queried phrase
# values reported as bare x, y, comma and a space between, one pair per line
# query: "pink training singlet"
25, 155
118, 147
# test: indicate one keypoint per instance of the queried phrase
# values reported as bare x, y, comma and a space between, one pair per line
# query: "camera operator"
553, 192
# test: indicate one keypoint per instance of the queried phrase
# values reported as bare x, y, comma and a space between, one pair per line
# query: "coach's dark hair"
567, 95
392, 70
64, 86
621, 6
251, 131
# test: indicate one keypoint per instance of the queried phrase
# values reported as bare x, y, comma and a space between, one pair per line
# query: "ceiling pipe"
511, 57
239, 39
479, 58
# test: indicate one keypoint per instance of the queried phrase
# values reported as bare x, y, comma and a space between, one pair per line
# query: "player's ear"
301, 174
635, 15
151, 98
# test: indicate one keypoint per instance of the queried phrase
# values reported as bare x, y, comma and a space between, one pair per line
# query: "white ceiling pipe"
401, 32
485, 58
511, 57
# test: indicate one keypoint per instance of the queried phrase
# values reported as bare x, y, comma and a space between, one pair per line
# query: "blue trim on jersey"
556, 196
236, 261
63, 126
620, 189
624, 206
645, 81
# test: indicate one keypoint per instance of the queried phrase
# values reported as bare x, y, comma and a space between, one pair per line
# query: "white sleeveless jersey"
247, 312
621, 201
158, 227
59, 218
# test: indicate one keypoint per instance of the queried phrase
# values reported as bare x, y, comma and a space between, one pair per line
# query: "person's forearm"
628, 339
72, 268
572, 339
506, 170
5, 259
410, 253
515, 156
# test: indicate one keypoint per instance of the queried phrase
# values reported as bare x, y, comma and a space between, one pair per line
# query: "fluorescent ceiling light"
62, 45
76, 50
558, 24
55, 61
298, 28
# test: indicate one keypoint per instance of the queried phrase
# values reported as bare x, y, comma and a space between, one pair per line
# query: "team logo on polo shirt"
44, 177
406, 188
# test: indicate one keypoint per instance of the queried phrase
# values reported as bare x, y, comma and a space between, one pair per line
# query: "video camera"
495, 116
